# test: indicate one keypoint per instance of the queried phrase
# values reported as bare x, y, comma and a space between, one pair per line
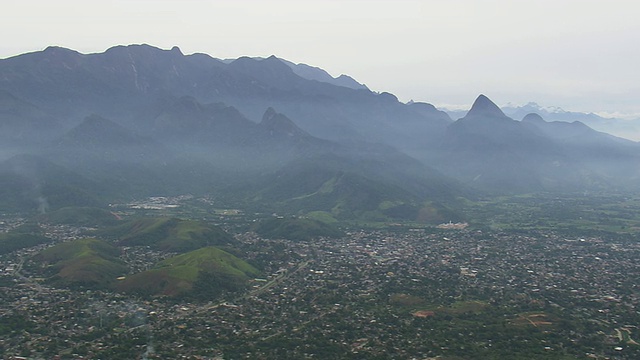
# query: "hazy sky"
580, 55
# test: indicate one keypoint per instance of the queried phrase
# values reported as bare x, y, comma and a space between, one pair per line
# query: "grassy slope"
296, 229
349, 190
177, 275
84, 262
169, 234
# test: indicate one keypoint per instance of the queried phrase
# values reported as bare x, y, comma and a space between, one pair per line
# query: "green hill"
168, 234
204, 273
21, 237
378, 189
295, 229
87, 263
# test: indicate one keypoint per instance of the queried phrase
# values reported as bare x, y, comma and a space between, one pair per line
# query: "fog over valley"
330, 180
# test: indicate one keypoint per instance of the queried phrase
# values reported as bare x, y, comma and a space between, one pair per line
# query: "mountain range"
624, 127
270, 134
496, 152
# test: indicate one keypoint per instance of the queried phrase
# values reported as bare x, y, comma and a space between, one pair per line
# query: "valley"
157, 205
400, 290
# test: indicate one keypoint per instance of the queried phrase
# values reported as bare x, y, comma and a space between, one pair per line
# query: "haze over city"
328, 180
577, 55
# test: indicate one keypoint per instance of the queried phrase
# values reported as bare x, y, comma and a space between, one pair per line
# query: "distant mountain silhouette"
282, 135
484, 108
280, 126
627, 128
533, 118
98, 140
489, 150
614, 158
130, 82
575, 132
220, 132
186, 119
315, 73
492, 151
98, 132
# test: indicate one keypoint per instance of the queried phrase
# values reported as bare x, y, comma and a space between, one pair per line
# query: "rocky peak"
277, 123
483, 107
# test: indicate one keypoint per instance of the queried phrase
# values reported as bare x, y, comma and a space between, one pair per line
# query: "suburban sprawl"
396, 292
157, 204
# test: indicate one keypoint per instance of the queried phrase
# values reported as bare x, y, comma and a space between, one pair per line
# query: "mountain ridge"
231, 127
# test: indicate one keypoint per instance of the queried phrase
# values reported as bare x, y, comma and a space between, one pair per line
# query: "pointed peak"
272, 117
277, 123
485, 107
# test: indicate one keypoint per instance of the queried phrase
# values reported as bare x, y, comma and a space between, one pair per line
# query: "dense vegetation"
204, 273
22, 237
80, 216
294, 228
87, 263
168, 234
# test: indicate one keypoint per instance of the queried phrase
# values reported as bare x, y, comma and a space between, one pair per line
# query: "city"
396, 293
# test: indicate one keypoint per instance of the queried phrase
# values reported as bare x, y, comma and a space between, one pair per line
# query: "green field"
576, 213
